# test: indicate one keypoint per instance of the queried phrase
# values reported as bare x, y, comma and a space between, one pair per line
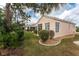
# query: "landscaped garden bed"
46, 38
50, 42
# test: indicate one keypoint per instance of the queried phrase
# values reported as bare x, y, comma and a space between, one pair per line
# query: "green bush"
12, 36
44, 35
20, 33
13, 39
6, 40
77, 29
51, 34
10, 40
1, 40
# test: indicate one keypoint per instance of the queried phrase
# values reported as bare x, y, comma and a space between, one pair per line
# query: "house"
60, 27
31, 27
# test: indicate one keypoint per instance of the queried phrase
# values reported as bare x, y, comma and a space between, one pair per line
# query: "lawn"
65, 48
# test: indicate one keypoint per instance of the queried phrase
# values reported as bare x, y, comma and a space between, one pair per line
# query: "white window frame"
57, 26
47, 26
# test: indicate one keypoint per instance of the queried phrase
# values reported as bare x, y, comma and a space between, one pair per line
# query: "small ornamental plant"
51, 34
44, 35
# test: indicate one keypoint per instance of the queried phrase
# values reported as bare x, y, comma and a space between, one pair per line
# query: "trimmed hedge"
51, 34
44, 35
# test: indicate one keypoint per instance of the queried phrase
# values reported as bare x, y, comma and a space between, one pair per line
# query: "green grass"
33, 48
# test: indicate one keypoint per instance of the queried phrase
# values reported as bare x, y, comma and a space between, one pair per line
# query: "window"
39, 27
47, 25
57, 26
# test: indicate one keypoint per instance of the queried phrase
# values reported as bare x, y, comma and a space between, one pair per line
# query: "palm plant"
8, 17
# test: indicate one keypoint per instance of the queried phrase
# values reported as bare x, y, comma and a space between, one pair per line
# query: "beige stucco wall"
64, 28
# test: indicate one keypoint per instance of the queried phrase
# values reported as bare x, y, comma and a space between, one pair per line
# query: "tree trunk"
8, 17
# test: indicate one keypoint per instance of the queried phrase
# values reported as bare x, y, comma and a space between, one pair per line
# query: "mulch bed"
11, 52
50, 41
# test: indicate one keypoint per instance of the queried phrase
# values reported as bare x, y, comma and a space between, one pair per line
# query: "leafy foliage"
42, 7
44, 35
77, 29
12, 38
51, 34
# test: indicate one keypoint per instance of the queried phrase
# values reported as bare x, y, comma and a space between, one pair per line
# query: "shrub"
10, 36
44, 35
51, 34
10, 40
20, 33
13, 40
1, 40
77, 29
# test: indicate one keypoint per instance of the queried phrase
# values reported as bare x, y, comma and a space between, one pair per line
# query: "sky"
69, 12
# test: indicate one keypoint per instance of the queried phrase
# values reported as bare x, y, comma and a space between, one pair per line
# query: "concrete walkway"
76, 42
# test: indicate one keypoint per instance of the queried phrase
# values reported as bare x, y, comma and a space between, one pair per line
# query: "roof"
55, 18
32, 25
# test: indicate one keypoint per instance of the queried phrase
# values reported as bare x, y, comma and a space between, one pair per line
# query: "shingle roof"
55, 18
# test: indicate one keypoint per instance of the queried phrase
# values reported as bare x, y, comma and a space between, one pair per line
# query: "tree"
40, 7
8, 17
43, 8
1, 20
46, 8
